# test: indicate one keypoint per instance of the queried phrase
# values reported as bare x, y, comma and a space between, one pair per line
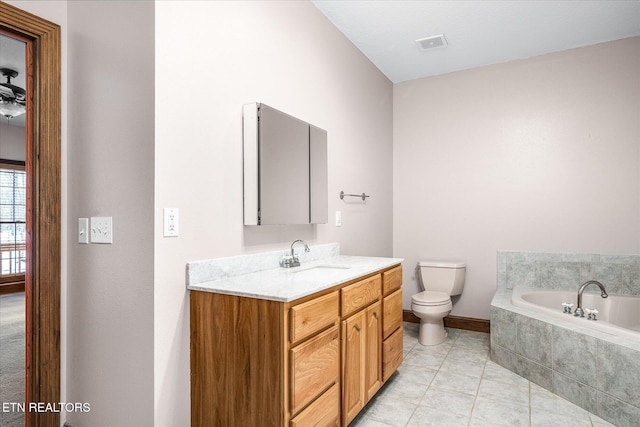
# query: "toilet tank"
445, 277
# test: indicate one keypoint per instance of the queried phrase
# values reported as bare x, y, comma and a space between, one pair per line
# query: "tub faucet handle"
591, 314
566, 307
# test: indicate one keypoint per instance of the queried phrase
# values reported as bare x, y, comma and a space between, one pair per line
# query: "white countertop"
288, 284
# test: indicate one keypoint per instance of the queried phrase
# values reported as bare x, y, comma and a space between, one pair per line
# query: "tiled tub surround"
598, 371
620, 274
259, 275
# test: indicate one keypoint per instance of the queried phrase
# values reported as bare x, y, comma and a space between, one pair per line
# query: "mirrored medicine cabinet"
285, 168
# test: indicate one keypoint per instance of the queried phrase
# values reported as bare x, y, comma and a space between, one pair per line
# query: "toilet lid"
430, 298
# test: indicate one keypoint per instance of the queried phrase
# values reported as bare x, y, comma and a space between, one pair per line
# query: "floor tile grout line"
475, 398
428, 385
530, 405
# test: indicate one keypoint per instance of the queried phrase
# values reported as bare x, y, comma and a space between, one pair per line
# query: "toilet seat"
431, 298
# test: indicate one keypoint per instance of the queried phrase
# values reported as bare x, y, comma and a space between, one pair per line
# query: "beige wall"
110, 173
540, 154
211, 58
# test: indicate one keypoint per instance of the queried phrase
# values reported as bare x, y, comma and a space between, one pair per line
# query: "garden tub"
617, 315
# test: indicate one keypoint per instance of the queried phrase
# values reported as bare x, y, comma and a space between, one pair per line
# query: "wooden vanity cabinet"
361, 359
354, 359
315, 361
373, 374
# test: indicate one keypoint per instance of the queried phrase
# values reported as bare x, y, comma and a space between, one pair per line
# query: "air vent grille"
432, 42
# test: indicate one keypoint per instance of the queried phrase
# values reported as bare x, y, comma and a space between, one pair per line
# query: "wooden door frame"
42, 288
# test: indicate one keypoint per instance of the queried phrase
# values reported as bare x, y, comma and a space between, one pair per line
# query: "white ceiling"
478, 32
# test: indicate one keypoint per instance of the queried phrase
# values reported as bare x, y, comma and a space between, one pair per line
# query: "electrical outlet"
83, 230
171, 222
101, 229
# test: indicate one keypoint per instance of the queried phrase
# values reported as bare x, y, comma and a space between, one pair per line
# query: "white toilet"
440, 281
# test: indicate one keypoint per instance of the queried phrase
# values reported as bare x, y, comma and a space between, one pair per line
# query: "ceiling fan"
12, 97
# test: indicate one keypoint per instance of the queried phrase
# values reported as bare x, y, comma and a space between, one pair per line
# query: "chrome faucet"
579, 312
292, 260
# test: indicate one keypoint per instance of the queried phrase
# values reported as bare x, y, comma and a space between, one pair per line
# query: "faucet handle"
566, 307
591, 314
289, 261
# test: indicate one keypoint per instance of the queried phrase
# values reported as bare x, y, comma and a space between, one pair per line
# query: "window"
12, 222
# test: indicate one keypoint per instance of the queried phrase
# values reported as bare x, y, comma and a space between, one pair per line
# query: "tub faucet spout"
603, 293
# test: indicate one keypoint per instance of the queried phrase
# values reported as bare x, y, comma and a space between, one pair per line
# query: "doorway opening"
42, 211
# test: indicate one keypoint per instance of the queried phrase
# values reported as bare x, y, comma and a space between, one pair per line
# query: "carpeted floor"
12, 338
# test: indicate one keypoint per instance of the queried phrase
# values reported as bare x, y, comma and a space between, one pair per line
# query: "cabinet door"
318, 181
374, 349
353, 366
283, 157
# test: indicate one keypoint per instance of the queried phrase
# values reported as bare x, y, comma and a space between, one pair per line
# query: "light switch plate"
83, 230
171, 222
101, 229
338, 219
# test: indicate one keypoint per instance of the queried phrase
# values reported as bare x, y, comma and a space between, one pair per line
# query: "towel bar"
363, 196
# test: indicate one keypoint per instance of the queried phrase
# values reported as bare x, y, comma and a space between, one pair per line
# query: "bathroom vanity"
297, 348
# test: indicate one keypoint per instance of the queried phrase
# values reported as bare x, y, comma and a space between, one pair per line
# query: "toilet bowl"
431, 307
440, 281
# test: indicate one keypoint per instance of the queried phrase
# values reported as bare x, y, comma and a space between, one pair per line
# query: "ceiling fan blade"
6, 92
12, 91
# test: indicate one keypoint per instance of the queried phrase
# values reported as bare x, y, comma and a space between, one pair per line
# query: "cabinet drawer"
310, 317
315, 366
391, 280
392, 313
360, 294
391, 354
324, 412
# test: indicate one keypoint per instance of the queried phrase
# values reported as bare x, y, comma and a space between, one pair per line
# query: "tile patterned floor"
454, 384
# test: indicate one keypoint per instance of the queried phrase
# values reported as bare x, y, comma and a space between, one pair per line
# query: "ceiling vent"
432, 42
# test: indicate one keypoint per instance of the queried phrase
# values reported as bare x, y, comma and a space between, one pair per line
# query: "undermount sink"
322, 268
